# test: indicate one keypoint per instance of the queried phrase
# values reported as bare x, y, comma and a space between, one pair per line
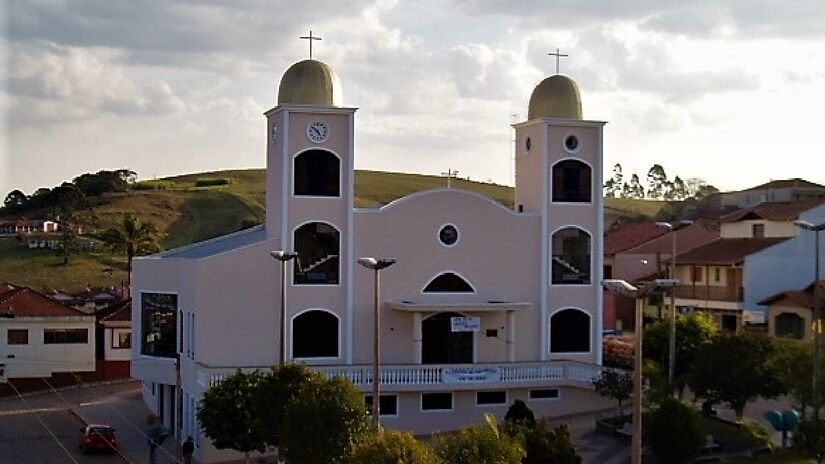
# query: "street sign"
465, 324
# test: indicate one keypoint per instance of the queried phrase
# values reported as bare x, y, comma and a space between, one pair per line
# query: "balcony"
451, 377
706, 292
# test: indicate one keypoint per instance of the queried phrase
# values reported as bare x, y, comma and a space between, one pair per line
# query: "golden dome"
310, 82
556, 97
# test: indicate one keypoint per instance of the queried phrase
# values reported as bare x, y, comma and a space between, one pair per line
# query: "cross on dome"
558, 55
310, 38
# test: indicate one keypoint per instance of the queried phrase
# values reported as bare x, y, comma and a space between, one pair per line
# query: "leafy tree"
614, 384
693, 333
104, 182
227, 414
15, 202
323, 422
678, 190
134, 238
656, 182
520, 414
67, 200
613, 186
736, 369
544, 445
793, 361
274, 392
391, 447
673, 432
809, 438
697, 188
482, 444
634, 188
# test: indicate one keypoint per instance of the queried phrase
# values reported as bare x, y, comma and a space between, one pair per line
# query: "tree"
635, 189
693, 333
549, 445
67, 200
809, 438
15, 202
482, 444
656, 182
134, 238
391, 447
613, 187
227, 414
673, 432
678, 190
104, 182
614, 384
793, 361
520, 414
274, 392
323, 422
736, 369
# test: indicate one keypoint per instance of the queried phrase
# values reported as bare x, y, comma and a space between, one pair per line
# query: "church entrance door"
440, 345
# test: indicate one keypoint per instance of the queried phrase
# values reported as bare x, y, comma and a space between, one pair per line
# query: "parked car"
97, 437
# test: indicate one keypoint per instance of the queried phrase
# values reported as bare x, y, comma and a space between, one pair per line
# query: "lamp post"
376, 264
622, 287
282, 257
817, 316
671, 365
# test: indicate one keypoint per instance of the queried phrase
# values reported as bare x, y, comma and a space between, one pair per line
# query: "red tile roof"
783, 211
726, 251
631, 235
785, 183
25, 302
118, 312
804, 297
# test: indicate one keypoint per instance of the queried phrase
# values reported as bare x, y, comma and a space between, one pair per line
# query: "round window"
571, 143
448, 235
527, 144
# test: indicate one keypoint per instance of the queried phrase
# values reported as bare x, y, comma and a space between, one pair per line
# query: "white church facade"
485, 305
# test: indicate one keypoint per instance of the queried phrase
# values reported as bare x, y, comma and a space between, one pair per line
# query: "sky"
730, 91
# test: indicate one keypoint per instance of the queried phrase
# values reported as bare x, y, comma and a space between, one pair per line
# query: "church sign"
470, 374
465, 324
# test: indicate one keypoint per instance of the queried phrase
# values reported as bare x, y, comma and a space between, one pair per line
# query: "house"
114, 352
485, 305
766, 219
23, 226
40, 337
789, 312
775, 191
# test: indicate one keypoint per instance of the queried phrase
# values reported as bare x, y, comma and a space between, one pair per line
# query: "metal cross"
450, 174
310, 38
557, 55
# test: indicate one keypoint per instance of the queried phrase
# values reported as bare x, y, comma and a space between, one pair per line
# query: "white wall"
36, 359
115, 354
744, 229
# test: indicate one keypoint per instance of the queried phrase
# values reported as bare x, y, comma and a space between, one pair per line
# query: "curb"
46, 391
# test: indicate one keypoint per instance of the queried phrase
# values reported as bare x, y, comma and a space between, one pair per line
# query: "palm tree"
133, 237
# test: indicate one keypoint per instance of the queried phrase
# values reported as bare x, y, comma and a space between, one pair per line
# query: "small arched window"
317, 245
315, 335
570, 331
317, 174
571, 257
448, 282
571, 182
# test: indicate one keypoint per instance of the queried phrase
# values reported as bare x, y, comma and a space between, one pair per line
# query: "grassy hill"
186, 212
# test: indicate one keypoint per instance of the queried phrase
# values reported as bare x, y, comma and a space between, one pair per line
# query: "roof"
118, 312
804, 297
555, 97
310, 82
783, 211
726, 251
631, 235
216, 245
787, 183
25, 302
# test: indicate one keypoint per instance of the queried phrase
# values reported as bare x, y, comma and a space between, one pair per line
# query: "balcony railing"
447, 376
707, 292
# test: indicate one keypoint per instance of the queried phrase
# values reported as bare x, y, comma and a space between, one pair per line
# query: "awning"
480, 307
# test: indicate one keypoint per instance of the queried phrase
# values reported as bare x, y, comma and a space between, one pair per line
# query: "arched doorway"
570, 331
440, 345
790, 325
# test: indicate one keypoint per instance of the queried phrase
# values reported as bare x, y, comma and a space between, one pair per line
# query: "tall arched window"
448, 282
317, 245
571, 257
570, 331
790, 325
571, 182
315, 335
317, 173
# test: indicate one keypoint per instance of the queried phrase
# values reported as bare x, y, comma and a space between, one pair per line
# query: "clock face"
318, 132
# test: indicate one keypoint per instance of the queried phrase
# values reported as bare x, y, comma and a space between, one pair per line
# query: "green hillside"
185, 213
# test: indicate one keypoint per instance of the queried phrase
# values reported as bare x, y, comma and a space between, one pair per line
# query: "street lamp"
671, 365
376, 264
283, 257
622, 287
816, 229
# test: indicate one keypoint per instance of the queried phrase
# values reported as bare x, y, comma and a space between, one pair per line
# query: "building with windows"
486, 304
40, 337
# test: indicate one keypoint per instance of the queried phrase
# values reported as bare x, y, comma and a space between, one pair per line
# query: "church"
484, 305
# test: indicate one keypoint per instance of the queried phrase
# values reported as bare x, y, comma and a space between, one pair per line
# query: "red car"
97, 437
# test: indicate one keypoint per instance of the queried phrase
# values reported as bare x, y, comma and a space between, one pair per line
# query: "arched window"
790, 325
317, 245
315, 335
571, 182
448, 282
571, 257
570, 331
317, 173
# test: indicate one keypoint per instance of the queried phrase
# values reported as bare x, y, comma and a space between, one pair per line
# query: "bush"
479, 445
388, 447
546, 445
673, 432
211, 182
153, 185
520, 414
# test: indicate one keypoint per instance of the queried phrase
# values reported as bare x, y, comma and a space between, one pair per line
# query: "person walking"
188, 449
